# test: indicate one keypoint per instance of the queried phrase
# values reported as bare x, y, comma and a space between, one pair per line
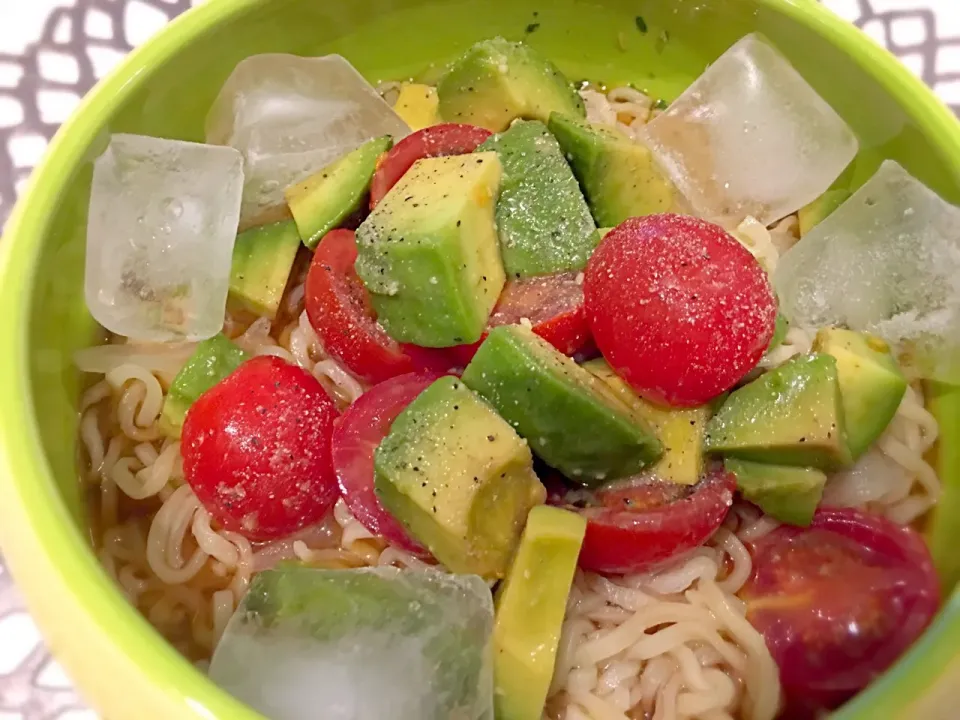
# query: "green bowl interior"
166, 88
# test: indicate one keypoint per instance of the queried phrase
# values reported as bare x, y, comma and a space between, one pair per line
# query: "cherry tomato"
552, 303
363, 425
635, 526
340, 312
438, 361
256, 450
839, 602
678, 307
434, 141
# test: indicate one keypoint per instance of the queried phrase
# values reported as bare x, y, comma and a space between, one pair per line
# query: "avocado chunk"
429, 253
788, 494
817, 211
780, 330
327, 198
459, 478
262, 260
619, 176
570, 418
791, 415
210, 363
680, 430
543, 220
871, 383
531, 603
365, 643
418, 105
497, 81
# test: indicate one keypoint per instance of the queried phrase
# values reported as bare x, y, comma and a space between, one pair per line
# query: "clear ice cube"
750, 137
886, 261
160, 232
361, 644
291, 116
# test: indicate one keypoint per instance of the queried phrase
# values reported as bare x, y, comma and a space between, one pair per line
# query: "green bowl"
165, 88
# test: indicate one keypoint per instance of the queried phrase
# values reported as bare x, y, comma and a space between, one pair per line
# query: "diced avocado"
417, 105
791, 415
497, 81
327, 198
680, 430
210, 363
262, 259
429, 253
780, 330
818, 210
531, 603
619, 176
871, 383
543, 220
717, 403
570, 418
459, 478
789, 494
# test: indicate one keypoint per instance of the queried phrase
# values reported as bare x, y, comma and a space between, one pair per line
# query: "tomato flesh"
363, 425
339, 309
839, 602
678, 307
636, 526
434, 141
553, 304
256, 450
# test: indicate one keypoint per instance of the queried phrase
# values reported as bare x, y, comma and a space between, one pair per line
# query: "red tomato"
434, 141
256, 450
678, 307
340, 312
839, 602
634, 527
552, 303
437, 361
363, 425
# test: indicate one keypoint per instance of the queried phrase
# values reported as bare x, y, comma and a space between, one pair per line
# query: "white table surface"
52, 51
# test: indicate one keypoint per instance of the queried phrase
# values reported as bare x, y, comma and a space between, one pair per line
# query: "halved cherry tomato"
439, 361
363, 425
434, 141
256, 450
552, 303
678, 307
340, 312
635, 526
839, 602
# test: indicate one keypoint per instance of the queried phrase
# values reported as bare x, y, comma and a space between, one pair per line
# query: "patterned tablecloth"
52, 51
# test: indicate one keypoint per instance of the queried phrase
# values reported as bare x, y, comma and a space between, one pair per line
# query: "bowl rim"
37, 533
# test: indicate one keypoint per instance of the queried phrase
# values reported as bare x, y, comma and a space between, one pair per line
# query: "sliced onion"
166, 358
875, 478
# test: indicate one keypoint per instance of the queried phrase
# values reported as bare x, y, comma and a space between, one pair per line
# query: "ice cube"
361, 644
160, 233
886, 261
750, 137
291, 116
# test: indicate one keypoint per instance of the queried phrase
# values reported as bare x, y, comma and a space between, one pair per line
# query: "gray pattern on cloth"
77, 41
